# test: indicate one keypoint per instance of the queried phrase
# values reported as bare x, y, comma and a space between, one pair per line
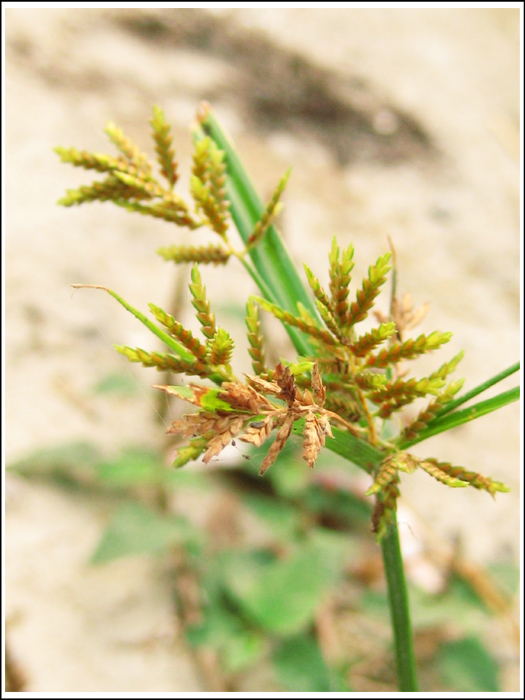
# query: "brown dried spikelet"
312, 440
317, 386
404, 315
258, 431
223, 436
286, 381
242, 397
282, 436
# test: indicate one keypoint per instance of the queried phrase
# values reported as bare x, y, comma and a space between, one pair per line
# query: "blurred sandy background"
398, 122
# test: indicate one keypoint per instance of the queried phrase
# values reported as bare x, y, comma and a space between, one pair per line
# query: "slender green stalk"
399, 610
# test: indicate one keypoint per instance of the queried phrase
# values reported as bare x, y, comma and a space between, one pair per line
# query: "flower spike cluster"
130, 183
354, 378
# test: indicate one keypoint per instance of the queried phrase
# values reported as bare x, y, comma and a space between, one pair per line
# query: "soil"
399, 123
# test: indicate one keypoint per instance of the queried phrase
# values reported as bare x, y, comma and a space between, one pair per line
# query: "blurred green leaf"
466, 666
289, 475
117, 383
281, 595
282, 519
300, 666
71, 465
222, 629
242, 650
337, 504
138, 530
459, 604
507, 576
134, 465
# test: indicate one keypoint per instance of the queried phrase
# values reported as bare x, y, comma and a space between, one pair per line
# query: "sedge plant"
343, 391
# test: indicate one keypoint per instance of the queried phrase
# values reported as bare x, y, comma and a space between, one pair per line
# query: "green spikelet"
369, 381
255, 341
340, 280
461, 474
385, 508
409, 349
273, 208
387, 474
329, 320
166, 210
370, 289
214, 254
323, 304
162, 138
388, 407
447, 368
99, 162
201, 304
163, 361
411, 388
128, 148
176, 329
135, 182
344, 405
208, 184
109, 189
191, 451
433, 468
220, 348
316, 287
299, 323
367, 342
386, 489
427, 414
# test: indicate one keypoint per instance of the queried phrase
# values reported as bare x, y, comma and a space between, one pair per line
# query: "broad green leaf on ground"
467, 667
225, 631
281, 595
138, 530
300, 667
280, 518
69, 464
134, 465
117, 383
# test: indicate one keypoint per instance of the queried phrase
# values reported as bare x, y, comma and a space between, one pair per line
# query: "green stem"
399, 611
452, 405
457, 418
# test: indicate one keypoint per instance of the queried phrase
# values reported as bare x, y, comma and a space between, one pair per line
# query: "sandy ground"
400, 123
